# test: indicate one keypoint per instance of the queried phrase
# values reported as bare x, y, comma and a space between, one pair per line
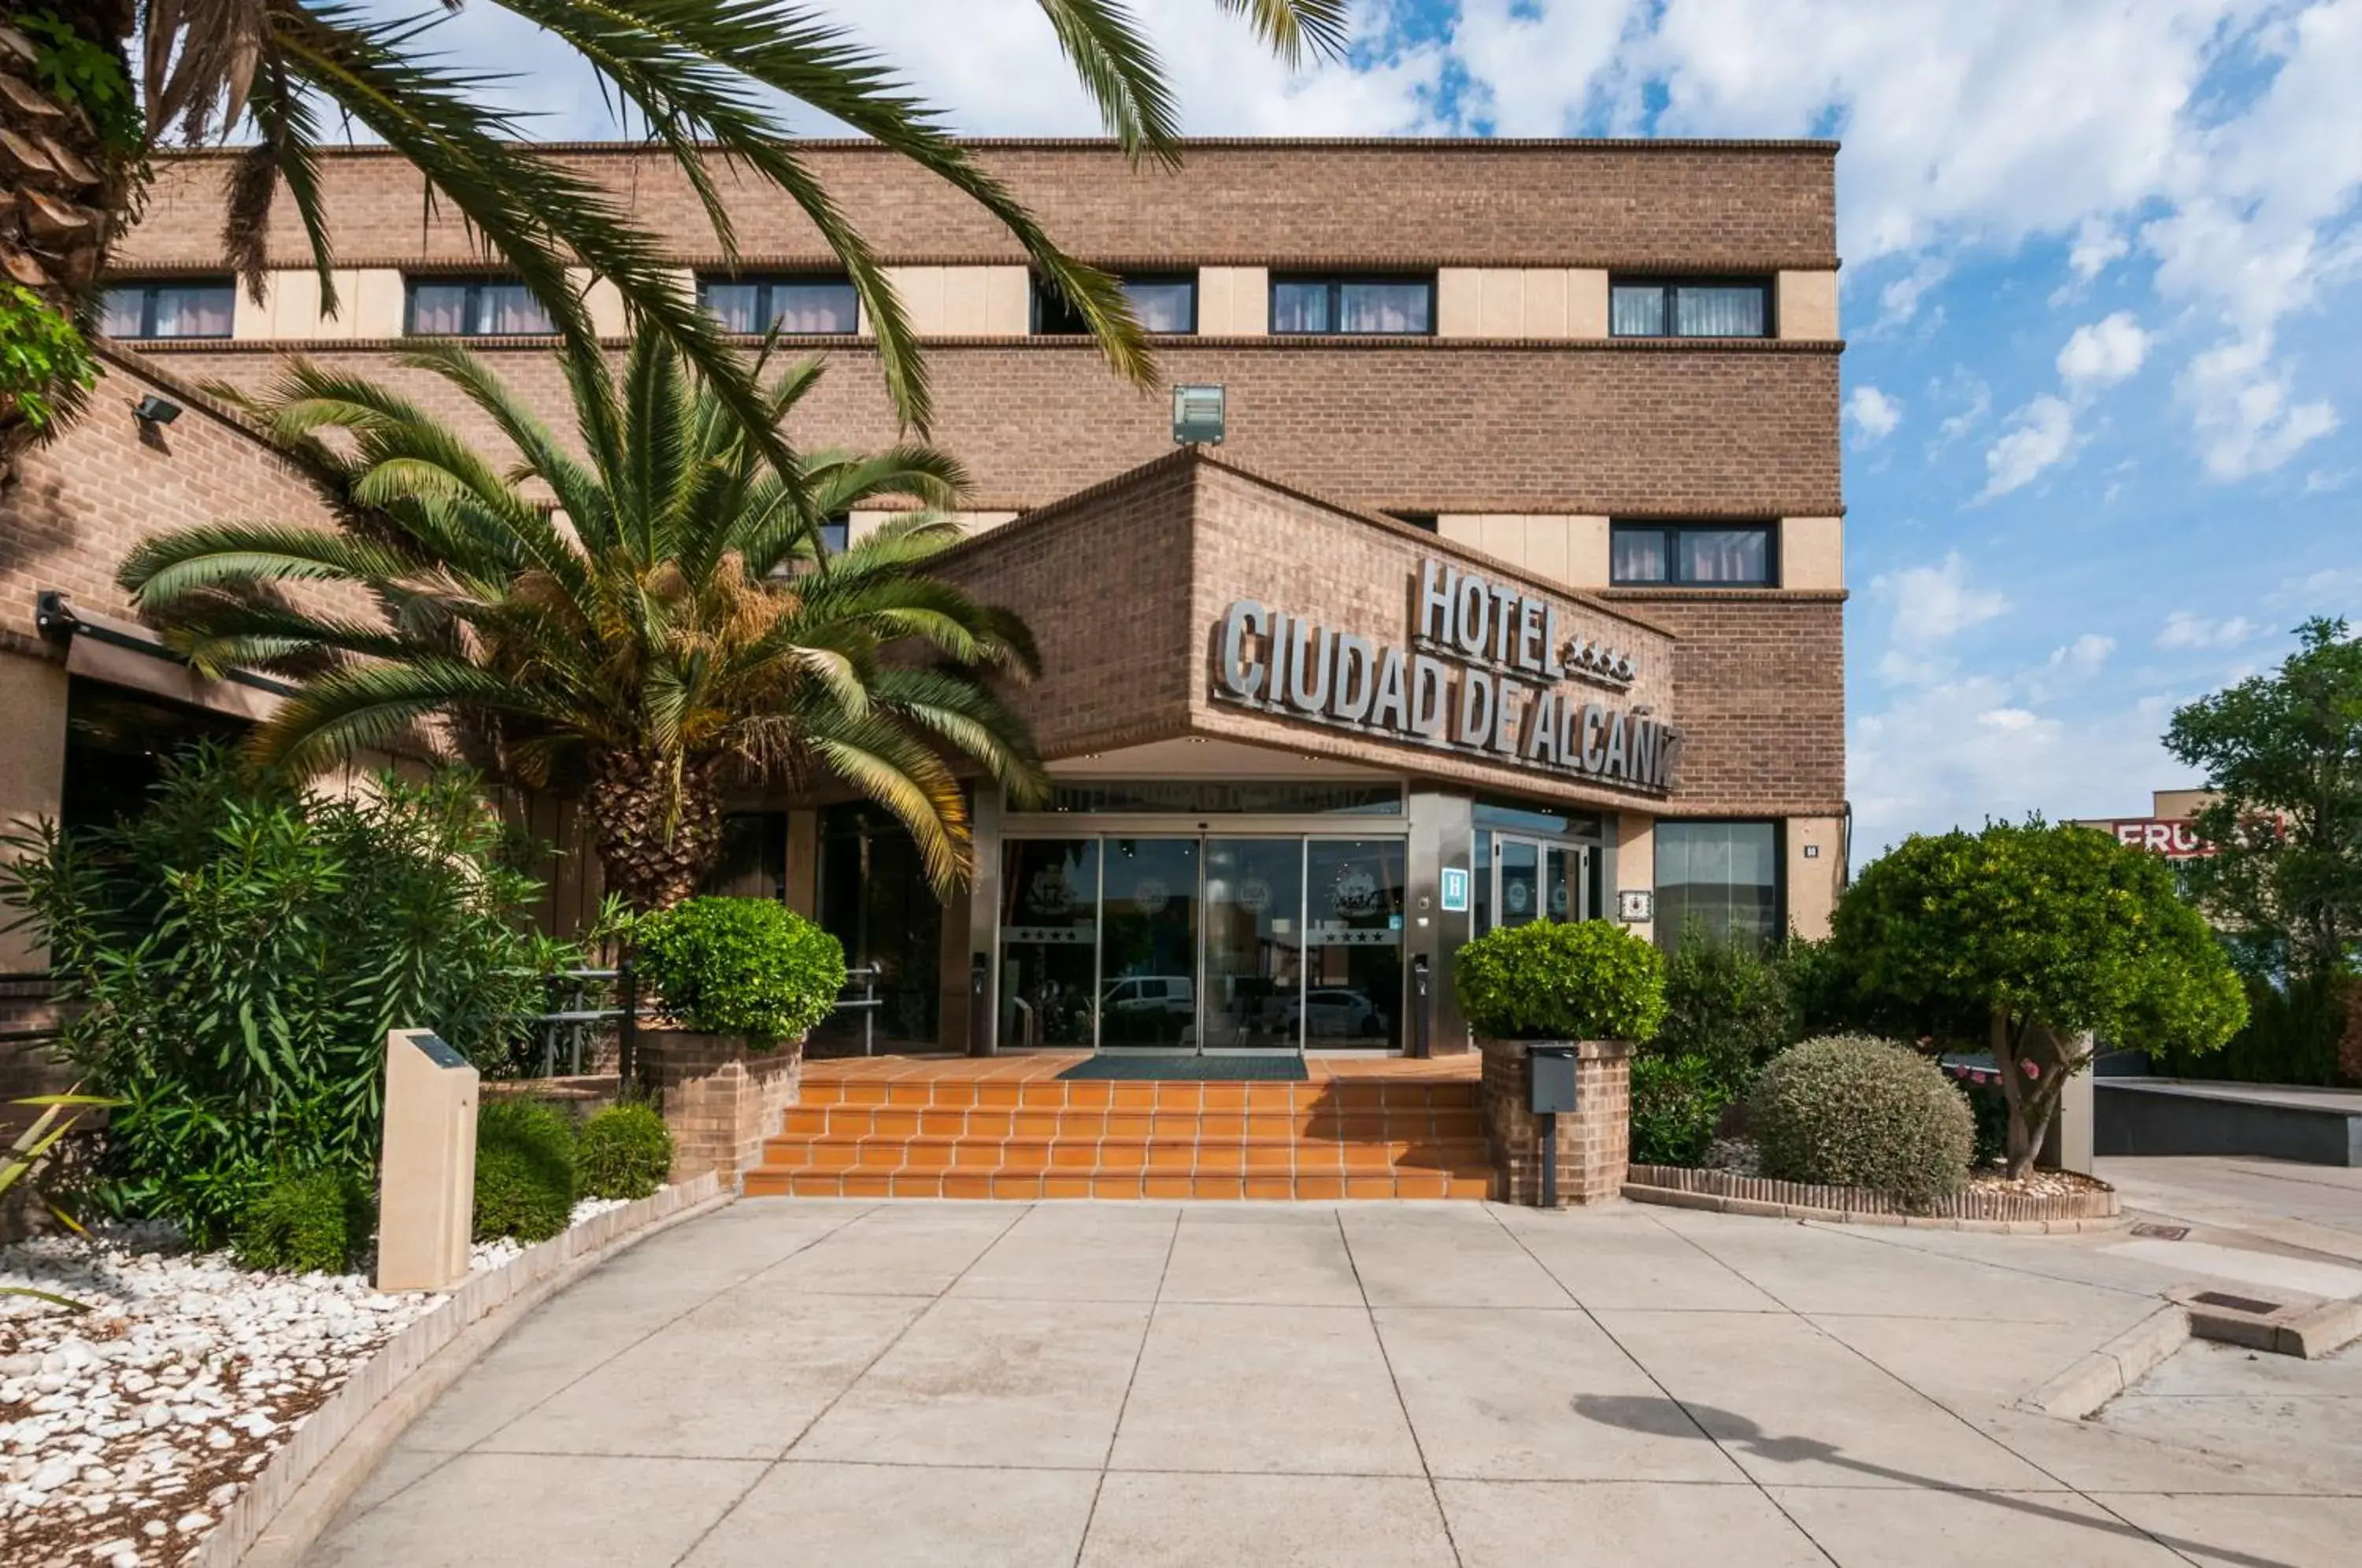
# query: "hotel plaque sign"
1487, 670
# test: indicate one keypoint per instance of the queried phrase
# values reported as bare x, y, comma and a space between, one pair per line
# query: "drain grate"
2235, 1303
2161, 1232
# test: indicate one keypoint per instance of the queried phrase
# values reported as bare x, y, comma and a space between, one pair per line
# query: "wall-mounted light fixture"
155, 410
1198, 416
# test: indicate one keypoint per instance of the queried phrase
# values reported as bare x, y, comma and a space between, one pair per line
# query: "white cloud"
2097, 243
2104, 352
1936, 604
2040, 436
2084, 656
1872, 414
2184, 630
2247, 423
1956, 752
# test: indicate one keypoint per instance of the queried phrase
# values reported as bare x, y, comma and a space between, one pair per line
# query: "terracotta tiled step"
1333, 1096
1402, 1185
881, 1122
951, 1131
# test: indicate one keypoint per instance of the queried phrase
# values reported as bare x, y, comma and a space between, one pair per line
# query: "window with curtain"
191, 308
1721, 878
1649, 307
800, 305
1377, 305
1710, 555
475, 307
1163, 304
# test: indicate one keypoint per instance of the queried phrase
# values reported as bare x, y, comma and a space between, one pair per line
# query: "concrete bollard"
427, 1173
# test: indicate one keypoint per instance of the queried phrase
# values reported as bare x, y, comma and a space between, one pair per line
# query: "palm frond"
1118, 67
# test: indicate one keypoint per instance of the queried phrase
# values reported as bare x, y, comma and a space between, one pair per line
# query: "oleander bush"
231, 956
624, 1151
1856, 1111
751, 968
1551, 980
526, 1177
1677, 1104
312, 1221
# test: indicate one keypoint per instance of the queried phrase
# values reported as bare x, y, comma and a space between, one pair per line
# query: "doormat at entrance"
1218, 1069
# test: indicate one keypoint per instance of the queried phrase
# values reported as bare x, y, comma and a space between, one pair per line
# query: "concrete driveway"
793, 1382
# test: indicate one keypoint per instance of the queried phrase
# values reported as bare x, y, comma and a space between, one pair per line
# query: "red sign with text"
2171, 837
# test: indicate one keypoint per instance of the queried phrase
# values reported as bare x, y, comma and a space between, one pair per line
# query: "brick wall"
1637, 205
1594, 1139
1759, 689
81, 502
1446, 426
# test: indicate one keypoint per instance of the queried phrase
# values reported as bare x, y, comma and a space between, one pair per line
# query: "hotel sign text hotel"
1488, 670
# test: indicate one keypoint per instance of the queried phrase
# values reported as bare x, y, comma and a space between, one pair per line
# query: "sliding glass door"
1191, 944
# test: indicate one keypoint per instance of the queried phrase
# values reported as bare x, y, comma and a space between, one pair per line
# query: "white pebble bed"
126, 1429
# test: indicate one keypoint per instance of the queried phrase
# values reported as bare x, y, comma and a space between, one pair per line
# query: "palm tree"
74, 141
644, 624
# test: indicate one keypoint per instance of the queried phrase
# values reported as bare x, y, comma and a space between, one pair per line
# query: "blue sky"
2101, 288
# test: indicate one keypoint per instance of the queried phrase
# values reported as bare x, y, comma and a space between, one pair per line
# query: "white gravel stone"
184, 1376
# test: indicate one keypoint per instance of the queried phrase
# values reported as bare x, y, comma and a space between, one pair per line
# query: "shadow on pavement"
1661, 1418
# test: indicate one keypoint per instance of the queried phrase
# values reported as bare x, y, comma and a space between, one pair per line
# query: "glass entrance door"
1533, 879
1206, 944
1254, 944
1148, 943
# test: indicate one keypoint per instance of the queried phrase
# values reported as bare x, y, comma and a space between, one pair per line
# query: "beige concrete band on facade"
1234, 301
1805, 308
1564, 303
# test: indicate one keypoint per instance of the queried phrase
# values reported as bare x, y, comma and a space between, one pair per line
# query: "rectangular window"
475, 307
1690, 555
800, 305
1648, 307
1165, 305
1403, 306
195, 308
1719, 878
1425, 521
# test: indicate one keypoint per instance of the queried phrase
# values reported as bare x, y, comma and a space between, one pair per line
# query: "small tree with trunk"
2032, 937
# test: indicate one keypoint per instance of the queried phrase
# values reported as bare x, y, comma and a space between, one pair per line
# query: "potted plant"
1592, 987
741, 981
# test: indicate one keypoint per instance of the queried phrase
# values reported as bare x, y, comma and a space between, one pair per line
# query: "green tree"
2283, 752
669, 622
698, 75
2027, 936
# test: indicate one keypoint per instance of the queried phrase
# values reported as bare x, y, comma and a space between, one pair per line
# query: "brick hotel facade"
1514, 589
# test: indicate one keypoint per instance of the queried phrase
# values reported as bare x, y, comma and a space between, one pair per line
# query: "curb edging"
339, 1443
2114, 1367
1720, 1203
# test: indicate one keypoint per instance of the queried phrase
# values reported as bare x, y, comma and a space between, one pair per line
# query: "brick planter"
721, 1099
1594, 1139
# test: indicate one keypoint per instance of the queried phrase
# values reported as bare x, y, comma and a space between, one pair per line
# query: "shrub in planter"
744, 966
1677, 1104
526, 1174
1547, 980
314, 1222
1855, 1111
1728, 1003
626, 1151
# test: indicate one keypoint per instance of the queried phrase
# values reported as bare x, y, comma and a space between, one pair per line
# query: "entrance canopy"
1188, 600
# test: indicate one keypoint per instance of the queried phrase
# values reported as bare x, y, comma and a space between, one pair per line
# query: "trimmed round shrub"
744, 966
1854, 1110
526, 1176
1677, 1104
1551, 980
314, 1222
626, 1151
